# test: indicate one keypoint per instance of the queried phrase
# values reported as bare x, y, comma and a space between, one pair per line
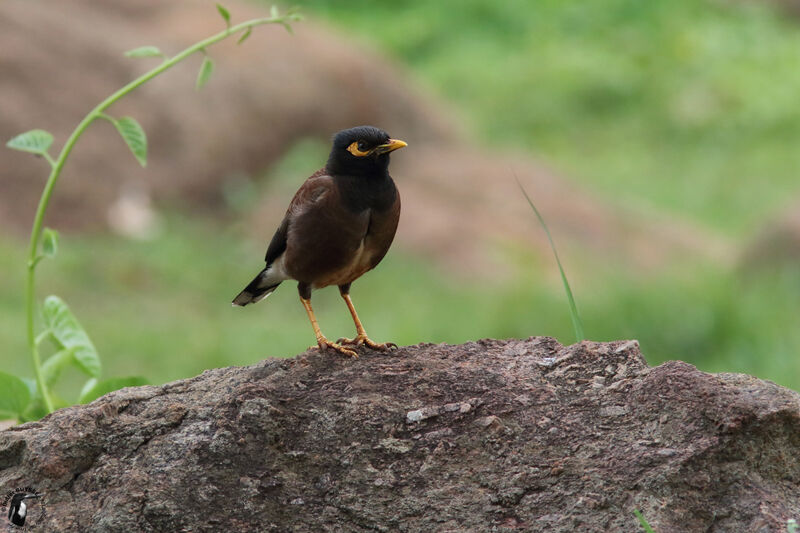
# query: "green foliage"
14, 396
55, 365
134, 136
35, 141
49, 243
30, 400
204, 74
244, 36
225, 14
68, 335
145, 51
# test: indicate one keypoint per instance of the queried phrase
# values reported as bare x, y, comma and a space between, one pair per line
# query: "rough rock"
517, 435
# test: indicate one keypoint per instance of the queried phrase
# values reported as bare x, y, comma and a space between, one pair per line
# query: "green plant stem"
58, 164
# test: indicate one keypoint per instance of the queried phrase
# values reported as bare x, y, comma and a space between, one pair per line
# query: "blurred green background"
682, 106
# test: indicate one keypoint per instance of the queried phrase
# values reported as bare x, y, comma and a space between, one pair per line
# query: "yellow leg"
361, 334
322, 342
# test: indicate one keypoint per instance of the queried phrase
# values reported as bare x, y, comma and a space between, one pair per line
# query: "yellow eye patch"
353, 149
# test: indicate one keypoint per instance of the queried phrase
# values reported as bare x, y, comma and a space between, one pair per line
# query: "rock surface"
518, 435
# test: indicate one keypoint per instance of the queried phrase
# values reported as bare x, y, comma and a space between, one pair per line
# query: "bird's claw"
325, 344
363, 340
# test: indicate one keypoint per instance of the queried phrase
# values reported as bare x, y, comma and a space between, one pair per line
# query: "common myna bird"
338, 226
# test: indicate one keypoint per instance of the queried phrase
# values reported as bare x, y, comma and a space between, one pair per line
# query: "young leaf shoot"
206, 68
134, 136
145, 51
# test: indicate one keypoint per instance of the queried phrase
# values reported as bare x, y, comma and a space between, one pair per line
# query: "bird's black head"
363, 150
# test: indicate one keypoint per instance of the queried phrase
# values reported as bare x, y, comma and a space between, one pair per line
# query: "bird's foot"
363, 340
325, 344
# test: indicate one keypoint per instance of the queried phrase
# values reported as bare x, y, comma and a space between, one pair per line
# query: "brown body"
340, 224
330, 241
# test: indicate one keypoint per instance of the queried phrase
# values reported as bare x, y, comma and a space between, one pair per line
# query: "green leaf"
134, 136
245, 35
34, 141
14, 395
47, 335
273, 12
51, 369
94, 389
33, 388
205, 72
35, 411
36, 408
287, 26
145, 51
50, 242
87, 387
66, 329
225, 14
59, 402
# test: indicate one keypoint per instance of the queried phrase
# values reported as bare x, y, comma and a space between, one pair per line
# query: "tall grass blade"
577, 325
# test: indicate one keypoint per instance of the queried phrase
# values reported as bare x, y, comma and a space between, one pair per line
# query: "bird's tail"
258, 289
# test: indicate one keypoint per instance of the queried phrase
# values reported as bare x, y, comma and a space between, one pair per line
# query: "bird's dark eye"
358, 149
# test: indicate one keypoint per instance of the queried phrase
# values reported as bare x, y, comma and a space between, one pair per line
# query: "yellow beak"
392, 145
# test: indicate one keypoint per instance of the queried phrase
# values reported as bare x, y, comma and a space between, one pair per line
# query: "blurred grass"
682, 106
161, 308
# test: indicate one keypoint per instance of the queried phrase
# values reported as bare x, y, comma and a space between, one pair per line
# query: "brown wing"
322, 235
312, 188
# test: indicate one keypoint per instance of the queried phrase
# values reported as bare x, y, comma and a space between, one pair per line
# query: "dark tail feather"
258, 289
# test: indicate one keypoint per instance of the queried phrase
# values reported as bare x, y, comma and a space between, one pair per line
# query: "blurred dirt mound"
61, 58
474, 195
776, 245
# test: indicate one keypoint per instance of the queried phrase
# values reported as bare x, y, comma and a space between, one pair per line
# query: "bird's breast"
359, 263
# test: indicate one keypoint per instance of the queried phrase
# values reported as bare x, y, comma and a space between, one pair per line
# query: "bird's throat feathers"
362, 192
